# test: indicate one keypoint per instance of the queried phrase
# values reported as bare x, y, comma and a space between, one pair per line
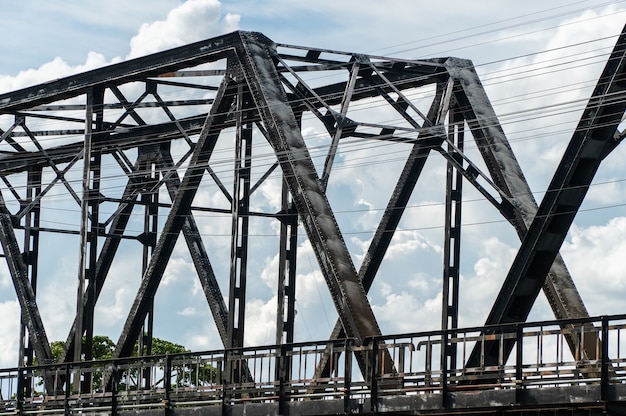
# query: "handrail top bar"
338, 342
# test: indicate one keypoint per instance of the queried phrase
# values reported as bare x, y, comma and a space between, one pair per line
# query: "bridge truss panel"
241, 86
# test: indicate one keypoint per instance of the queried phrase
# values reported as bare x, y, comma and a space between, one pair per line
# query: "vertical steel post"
452, 241
150, 201
89, 228
240, 224
31, 255
286, 270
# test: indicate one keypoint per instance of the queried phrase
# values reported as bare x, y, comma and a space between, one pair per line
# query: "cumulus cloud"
191, 21
56, 68
479, 288
419, 313
539, 97
594, 256
9, 324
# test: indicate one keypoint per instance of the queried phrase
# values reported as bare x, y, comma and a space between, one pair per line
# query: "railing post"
374, 375
604, 383
167, 381
347, 375
114, 388
519, 359
444, 368
68, 389
225, 380
19, 398
282, 381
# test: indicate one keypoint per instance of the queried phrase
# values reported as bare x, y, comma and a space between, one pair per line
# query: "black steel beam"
198, 252
25, 293
175, 220
397, 205
518, 205
160, 63
107, 253
240, 219
313, 206
32, 222
595, 133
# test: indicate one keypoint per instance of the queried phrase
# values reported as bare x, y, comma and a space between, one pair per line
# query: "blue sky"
527, 56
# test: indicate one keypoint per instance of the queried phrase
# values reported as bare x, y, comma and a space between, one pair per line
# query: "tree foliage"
190, 373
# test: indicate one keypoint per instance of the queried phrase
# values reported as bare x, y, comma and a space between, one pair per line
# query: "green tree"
188, 372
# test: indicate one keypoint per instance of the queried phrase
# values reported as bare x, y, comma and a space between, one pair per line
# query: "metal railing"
282, 374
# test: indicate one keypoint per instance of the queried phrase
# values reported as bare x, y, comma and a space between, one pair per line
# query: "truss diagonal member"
175, 221
128, 107
26, 209
594, 134
503, 167
339, 121
427, 140
23, 288
107, 253
7, 135
198, 253
398, 202
507, 175
318, 219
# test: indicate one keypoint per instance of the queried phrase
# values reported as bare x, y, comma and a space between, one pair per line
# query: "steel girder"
317, 215
274, 77
25, 293
176, 219
594, 138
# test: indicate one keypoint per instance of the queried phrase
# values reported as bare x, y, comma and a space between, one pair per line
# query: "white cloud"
595, 257
539, 98
9, 324
418, 313
260, 324
188, 311
479, 290
191, 21
178, 268
56, 68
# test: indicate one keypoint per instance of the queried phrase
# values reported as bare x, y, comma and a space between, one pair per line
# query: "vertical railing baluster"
226, 376
444, 368
19, 404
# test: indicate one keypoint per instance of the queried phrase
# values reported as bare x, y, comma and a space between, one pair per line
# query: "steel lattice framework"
243, 88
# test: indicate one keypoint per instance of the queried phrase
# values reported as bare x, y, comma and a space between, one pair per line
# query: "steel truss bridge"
117, 124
